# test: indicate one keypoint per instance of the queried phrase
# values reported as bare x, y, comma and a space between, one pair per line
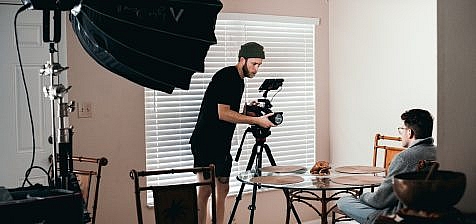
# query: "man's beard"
246, 72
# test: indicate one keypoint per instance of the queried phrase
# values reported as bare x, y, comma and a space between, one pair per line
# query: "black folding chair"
176, 203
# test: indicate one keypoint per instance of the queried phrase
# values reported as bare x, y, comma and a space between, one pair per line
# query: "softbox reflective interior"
156, 44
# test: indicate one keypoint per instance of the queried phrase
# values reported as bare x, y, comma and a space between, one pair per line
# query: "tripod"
260, 135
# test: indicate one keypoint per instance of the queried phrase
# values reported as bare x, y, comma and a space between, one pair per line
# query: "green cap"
251, 50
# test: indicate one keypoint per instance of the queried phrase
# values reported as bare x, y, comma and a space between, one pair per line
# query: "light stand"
39, 203
61, 139
62, 136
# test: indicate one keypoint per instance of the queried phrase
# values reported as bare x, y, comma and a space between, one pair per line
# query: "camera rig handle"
267, 103
265, 94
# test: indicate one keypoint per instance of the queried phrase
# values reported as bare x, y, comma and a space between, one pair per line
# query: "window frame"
227, 56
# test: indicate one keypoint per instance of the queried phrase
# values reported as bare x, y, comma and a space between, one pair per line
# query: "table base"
308, 196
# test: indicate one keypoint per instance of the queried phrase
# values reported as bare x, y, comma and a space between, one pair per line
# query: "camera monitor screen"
271, 84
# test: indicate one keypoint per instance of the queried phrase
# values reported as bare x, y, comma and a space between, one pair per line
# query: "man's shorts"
222, 161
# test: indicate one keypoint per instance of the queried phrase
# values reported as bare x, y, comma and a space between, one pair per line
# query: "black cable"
272, 98
28, 171
50, 174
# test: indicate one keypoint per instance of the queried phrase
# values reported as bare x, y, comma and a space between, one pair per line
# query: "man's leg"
222, 185
203, 194
222, 172
355, 209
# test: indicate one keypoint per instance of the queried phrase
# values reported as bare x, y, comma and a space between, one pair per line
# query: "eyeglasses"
401, 129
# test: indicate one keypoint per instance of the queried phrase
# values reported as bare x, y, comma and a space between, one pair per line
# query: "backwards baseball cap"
251, 50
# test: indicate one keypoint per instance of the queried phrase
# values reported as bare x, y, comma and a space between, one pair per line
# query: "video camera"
257, 110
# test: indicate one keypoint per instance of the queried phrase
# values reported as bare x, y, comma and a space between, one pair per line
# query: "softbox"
156, 44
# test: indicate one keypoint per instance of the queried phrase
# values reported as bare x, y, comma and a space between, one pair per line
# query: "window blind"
289, 47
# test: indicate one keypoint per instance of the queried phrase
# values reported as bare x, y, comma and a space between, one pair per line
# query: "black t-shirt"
226, 88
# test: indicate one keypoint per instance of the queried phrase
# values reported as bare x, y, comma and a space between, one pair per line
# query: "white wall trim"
271, 18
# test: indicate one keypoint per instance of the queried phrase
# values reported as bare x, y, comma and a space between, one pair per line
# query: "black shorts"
222, 161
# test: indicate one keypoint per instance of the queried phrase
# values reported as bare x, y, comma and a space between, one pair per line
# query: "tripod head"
260, 135
259, 132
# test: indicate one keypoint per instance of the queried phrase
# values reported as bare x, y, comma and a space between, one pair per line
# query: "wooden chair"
389, 146
89, 176
385, 148
175, 203
88, 173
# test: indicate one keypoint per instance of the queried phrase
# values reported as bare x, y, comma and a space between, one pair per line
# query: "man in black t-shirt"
219, 114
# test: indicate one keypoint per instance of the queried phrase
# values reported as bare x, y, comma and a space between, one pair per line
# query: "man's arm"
226, 114
384, 196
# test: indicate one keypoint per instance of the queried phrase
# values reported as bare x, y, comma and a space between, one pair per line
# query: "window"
289, 47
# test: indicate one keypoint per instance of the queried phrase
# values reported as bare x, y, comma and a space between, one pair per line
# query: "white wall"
383, 61
456, 92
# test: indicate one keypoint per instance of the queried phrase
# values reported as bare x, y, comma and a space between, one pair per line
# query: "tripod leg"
240, 193
238, 153
252, 207
259, 160
270, 156
252, 157
255, 153
237, 201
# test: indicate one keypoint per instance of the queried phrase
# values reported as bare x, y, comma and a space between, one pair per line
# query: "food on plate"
321, 168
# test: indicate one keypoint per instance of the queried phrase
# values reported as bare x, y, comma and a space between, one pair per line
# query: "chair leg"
333, 218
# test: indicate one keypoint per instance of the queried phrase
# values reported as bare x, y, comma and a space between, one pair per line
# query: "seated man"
416, 135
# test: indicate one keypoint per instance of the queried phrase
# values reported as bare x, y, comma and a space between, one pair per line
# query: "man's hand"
226, 114
264, 121
252, 103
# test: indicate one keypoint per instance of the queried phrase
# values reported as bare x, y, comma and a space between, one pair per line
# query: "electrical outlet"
85, 110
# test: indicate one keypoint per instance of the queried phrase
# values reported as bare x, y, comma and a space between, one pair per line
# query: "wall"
456, 94
116, 129
382, 62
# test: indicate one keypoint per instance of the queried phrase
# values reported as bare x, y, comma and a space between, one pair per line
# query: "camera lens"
277, 118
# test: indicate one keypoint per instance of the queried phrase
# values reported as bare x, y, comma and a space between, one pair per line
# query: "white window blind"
290, 55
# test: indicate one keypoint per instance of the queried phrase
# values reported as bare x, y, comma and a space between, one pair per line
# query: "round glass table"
302, 187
